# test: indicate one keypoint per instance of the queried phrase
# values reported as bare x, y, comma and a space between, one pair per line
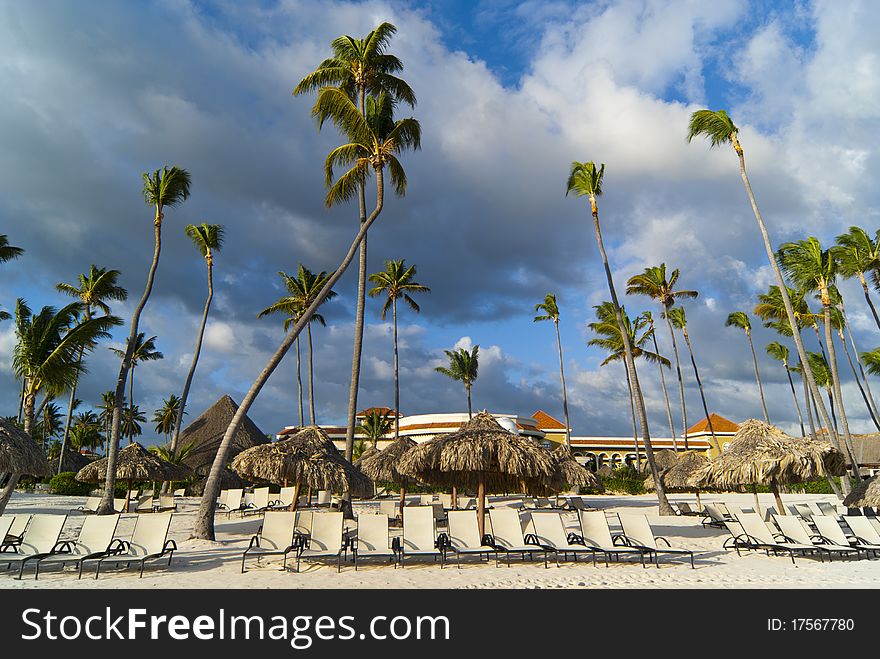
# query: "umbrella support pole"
775, 489
699, 503
757, 501
481, 507
402, 501
295, 501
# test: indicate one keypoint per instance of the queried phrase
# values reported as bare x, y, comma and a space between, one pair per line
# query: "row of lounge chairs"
36, 540
143, 504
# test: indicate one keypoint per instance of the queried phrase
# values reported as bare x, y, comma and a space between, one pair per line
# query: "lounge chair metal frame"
255, 545
655, 551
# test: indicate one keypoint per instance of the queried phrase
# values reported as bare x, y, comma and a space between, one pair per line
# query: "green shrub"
624, 479
66, 483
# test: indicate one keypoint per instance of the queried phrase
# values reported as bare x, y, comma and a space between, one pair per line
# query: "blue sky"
510, 92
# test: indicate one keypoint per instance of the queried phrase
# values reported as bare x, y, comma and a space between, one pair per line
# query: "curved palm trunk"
861, 370
700, 387
396, 375
632, 410
684, 417
66, 434
857, 378
299, 384
665, 392
105, 507
204, 525
797, 405
831, 403
564, 392
758, 378
663, 502
312, 415
835, 382
467, 389
868, 298
808, 404
21, 400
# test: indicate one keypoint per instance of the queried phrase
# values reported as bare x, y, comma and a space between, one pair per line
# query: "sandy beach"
201, 564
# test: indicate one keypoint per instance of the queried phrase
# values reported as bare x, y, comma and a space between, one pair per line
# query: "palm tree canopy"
771, 309
303, 289
549, 307
821, 371
144, 350
715, 125
463, 365
678, 317
584, 179
608, 335
807, 265
95, 288
375, 425
166, 416
207, 238
7, 251
167, 187
856, 252
132, 418
654, 283
777, 351
739, 319
871, 360
396, 281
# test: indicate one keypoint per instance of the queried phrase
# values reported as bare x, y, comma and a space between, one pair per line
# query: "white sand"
201, 564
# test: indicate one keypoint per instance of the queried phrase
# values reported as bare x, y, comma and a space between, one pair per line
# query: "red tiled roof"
547, 422
380, 410
719, 424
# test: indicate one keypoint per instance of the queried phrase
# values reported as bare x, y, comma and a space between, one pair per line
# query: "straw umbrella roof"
228, 480
72, 461
663, 458
678, 476
762, 454
382, 465
866, 493
19, 453
570, 472
134, 463
481, 451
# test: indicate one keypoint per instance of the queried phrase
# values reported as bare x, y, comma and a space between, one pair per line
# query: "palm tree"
165, 417
207, 239
839, 324
106, 415
303, 290
814, 269
85, 433
7, 253
49, 426
45, 357
144, 351
168, 454
375, 143
649, 318
719, 128
654, 284
679, 320
824, 379
741, 320
585, 180
375, 425
358, 67
165, 188
464, 367
870, 396
396, 281
132, 418
93, 290
779, 352
857, 253
551, 312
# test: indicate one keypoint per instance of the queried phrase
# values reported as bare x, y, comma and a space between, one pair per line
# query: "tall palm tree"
741, 320
144, 351
649, 318
375, 143
864, 378
655, 284
45, 357
679, 321
85, 433
132, 418
162, 189
396, 281
356, 69
551, 312
165, 417
779, 352
839, 324
303, 290
858, 253
464, 367
719, 129
49, 426
106, 414
585, 180
375, 425
94, 289
207, 239
7, 253
824, 379
814, 270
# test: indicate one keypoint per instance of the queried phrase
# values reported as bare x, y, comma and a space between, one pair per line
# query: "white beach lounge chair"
149, 541
120, 505
830, 531
221, 499
419, 534
90, 506
464, 536
795, 530
166, 503
862, 529
551, 535
373, 539
637, 532
259, 503
325, 498
715, 516
275, 537
324, 541
145, 504
40, 538
179, 493
285, 497
15, 532
507, 535
234, 501
95, 540
426, 499
827, 508
758, 535
5, 525
596, 534
389, 508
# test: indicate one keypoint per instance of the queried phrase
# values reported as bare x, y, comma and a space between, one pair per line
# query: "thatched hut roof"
308, 458
19, 453
72, 461
134, 463
382, 465
761, 454
228, 480
207, 430
664, 459
367, 453
481, 451
866, 493
679, 475
570, 472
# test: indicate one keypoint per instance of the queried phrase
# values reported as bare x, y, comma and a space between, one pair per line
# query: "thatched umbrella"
866, 493
72, 461
679, 476
569, 472
382, 466
306, 458
664, 459
481, 456
19, 454
761, 454
134, 463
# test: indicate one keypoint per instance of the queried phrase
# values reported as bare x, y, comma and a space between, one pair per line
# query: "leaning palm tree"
741, 320
358, 69
551, 312
162, 189
719, 129
655, 284
824, 379
94, 289
375, 425
375, 143
207, 239
649, 318
679, 320
396, 281
144, 351
857, 253
463, 367
585, 180
779, 352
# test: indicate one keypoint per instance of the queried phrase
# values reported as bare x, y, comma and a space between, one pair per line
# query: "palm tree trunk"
758, 378
665, 392
564, 392
632, 411
835, 382
105, 507
663, 502
700, 387
808, 404
857, 378
299, 384
797, 405
30, 399
684, 417
467, 390
66, 434
831, 402
862, 371
312, 415
396, 374
868, 298
204, 525
21, 399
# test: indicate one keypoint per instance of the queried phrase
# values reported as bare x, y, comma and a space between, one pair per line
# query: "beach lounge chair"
119, 505
757, 535
578, 503
260, 502
149, 541
551, 535
166, 503
830, 531
507, 535
596, 534
179, 493
464, 536
795, 530
389, 509
144, 504
714, 516
439, 512
862, 529
470, 504
90, 506
5, 525
419, 535
827, 508
373, 539
221, 499
637, 532
16, 530
95, 539
275, 537
324, 541
446, 501
426, 499
40, 538
325, 498
285, 497
804, 511
234, 501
